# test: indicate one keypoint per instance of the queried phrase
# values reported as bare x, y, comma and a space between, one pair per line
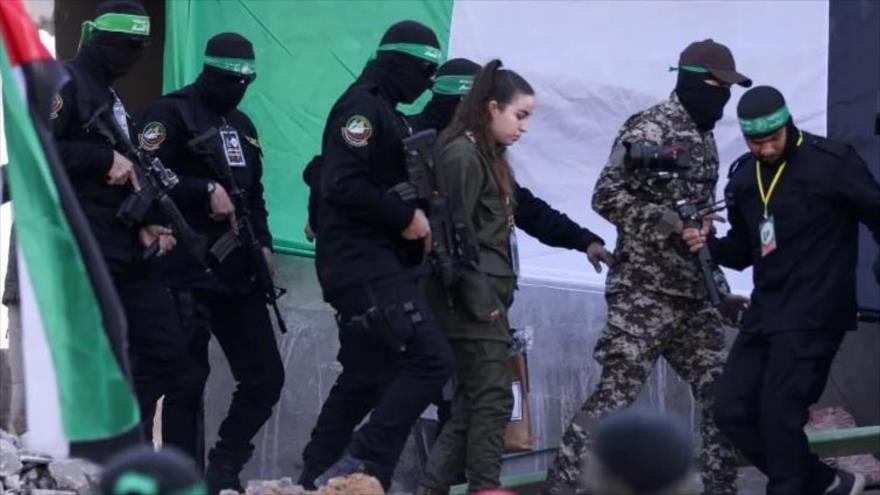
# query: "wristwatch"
211, 187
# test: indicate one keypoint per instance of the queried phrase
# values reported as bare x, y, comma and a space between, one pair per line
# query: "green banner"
309, 51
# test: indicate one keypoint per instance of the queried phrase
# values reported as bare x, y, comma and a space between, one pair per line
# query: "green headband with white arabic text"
424, 52
243, 66
766, 124
453, 85
114, 22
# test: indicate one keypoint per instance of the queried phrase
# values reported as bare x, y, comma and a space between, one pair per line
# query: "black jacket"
166, 133
312, 178
88, 156
360, 220
809, 281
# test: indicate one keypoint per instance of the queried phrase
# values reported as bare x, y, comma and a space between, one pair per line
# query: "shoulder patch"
737, 163
153, 136
57, 105
253, 141
357, 131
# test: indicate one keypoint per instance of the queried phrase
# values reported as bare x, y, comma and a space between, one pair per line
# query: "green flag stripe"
95, 399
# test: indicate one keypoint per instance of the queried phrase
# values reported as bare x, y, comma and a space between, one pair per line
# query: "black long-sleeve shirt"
88, 157
166, 133
809, 281
553, 228
360, 220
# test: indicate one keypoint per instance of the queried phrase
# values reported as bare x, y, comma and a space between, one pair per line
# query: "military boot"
224, 469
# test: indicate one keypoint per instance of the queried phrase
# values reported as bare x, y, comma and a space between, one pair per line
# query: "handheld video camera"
641, 156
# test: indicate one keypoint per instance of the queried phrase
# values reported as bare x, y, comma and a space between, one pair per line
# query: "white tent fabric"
595, 63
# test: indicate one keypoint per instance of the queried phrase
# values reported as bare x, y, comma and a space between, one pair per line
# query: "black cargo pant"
763, 401
244, 331
157, 345
393, 387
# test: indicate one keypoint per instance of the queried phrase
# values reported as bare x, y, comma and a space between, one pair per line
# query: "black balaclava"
113, 54
438, 113
762, 111
404, 76
228, 70
141, 470
704, 103
627, 444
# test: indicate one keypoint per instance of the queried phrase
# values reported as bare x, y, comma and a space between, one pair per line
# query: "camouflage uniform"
657, 304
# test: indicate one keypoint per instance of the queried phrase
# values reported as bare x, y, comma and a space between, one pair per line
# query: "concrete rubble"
355, 484
31, 473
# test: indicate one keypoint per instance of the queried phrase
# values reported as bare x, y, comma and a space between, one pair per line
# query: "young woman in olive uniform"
474, 172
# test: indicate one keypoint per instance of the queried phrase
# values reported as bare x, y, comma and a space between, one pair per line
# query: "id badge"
767, 232
232, 147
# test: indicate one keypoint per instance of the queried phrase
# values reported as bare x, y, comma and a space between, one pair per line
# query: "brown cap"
715, 58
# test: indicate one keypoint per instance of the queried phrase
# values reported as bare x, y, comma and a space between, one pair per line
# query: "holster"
391, 324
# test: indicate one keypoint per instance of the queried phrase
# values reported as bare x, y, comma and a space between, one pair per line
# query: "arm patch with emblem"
153, 136
357, 131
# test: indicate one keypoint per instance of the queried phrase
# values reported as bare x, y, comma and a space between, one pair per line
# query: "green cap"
134, 482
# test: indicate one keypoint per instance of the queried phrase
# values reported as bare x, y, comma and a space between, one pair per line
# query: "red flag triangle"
20, 34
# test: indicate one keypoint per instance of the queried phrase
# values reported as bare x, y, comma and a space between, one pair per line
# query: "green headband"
765, 124
142, 484
113, 22
243, 66
424, 52
690, 68
453, 85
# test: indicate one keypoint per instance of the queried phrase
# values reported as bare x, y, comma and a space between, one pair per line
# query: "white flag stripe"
43, 405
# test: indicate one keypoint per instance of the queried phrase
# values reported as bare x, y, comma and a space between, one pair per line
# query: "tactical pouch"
392, 325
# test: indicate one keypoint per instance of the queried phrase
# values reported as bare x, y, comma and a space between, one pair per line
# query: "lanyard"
765, 197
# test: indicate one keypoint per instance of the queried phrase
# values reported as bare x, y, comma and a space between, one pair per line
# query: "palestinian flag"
80, 401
